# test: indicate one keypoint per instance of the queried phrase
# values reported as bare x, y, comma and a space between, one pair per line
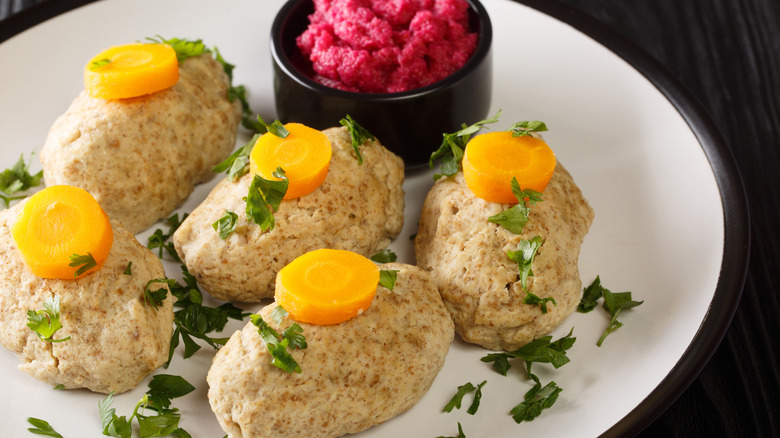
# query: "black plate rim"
736, 248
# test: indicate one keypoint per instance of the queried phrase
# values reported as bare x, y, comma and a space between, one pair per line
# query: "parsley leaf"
541, 350
247, 116
520, 129
162, 389
18, 179
41, 427
86, 262
276, 128
477, 397
264, 199
385, 256
452, 146
129, 269
184, 48
94, 65
460, 433
159, 240
225, 225
236, 164
457, 399
536, 399
45, 323
515, 218
590, 296
277, 344
387, 278
524, 256
614, 303
359, 135
533, 299
194, 320
154, 298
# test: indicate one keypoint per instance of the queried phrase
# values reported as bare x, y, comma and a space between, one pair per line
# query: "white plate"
659, 229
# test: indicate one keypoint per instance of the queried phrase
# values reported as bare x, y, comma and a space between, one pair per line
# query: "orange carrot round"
491, 161
304, 155
131, 70
57, 223
327, 286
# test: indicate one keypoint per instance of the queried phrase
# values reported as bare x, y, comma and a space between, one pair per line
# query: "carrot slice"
131, 70
491, 161
304, 155
57, 223
327, 286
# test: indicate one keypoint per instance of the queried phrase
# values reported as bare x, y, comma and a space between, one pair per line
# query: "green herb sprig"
384, 256
358, 133
527, 127
277, 344
464, 389
160, 241
459, 435
542, 350
264, 198
41, 427
515, 217
162, 388
453, 145
18, 179
83, 262
387, 278
236, 165
614, 303
45, 323
225, 225
193, 320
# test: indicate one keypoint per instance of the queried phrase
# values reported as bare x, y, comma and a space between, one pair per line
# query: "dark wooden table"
727, 53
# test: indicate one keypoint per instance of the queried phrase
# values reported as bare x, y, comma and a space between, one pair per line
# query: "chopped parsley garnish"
533, 299
460, 433
276, 128
614, 303
45, 323
41, 427
457, 399
225, 225
520, 129
17, 179
541, 350
154, 298
515, 218
384, 256
236, 164
86, 262
277, 344
159, 240
193, 320
524, 256
94, 65
387, 278
247, 116
452, 146
536, 399
359, 135
162, 389
184, 48
264, 198
129, 269
591, 296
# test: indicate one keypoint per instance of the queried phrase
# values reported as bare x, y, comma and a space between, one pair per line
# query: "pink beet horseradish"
386, 46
